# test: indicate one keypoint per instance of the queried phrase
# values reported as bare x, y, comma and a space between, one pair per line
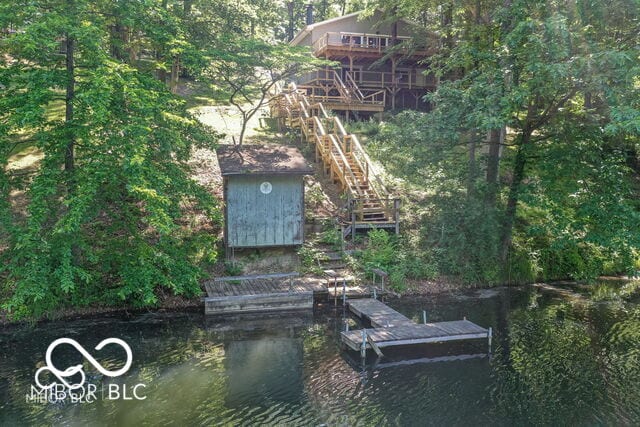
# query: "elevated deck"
362, 45
391, 329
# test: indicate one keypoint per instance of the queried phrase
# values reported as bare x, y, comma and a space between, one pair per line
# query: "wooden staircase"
344, 160
326, 86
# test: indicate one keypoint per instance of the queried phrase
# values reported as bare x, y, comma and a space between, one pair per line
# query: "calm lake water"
569, 356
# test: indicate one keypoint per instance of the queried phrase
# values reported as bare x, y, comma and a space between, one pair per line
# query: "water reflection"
560, 357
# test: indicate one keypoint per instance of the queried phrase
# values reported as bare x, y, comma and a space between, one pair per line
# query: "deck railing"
357, 41
348, 91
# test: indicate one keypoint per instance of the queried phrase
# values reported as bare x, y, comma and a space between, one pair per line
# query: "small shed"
263, 195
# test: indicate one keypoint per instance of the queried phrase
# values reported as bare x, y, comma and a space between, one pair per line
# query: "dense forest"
526, 167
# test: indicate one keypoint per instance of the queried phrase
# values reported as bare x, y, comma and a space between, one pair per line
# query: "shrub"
395, 256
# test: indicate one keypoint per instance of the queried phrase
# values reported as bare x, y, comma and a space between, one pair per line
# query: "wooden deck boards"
268, 292
380, 314
261, 285
391, 328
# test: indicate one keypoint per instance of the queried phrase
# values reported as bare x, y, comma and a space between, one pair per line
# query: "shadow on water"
562, 354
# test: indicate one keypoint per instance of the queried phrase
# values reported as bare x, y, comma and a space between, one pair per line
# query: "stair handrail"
303, 110
354, 85
346, 166
368, 164
373, 95
342, 88
321, 132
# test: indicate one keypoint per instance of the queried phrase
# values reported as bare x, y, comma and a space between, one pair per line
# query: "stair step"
331, 256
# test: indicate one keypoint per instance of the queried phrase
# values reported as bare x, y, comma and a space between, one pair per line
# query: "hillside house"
380, 65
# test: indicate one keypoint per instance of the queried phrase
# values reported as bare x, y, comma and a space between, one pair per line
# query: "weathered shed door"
264, 210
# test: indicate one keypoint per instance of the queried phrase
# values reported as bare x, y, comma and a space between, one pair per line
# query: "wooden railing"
357, 41
385, 79
348, 92
368, 199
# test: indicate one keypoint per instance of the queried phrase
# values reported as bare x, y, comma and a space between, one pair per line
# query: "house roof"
262, 159
309, 28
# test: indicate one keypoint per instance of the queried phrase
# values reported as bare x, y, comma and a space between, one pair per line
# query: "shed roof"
262, 159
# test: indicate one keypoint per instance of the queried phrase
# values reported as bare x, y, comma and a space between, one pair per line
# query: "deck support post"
335, 291
353, 221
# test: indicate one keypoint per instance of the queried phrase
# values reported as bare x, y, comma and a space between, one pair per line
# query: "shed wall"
255, 219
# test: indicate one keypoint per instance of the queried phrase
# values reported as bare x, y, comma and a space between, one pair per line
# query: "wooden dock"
391, 329
265, 292
279, 292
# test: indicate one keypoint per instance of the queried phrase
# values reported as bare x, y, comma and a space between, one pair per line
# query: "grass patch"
200, 94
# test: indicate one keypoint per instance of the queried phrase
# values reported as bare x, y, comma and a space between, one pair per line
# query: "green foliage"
233, 268
332, 237
248, 68
111, 224
310, 258
563, 202
392, 255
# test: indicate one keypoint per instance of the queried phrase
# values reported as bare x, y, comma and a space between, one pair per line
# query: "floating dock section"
391, 329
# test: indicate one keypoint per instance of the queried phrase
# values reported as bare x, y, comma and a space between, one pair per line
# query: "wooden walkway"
273, 292
262, 284
391, 329
260, 293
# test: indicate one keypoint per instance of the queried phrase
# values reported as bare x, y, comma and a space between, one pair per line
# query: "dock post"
344, 293
375, 295
346, 325
424, 316
335, 291
489, 336
363, 346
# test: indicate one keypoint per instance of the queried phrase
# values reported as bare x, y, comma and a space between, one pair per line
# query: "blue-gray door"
264, 211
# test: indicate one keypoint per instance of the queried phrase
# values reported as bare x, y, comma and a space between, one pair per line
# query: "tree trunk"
69, 156
471, 178
493, 166
175, 74
514, 193
243, 129
290, 26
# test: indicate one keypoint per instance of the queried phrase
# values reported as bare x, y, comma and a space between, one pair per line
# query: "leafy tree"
560, 77
250, 69
105, 218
